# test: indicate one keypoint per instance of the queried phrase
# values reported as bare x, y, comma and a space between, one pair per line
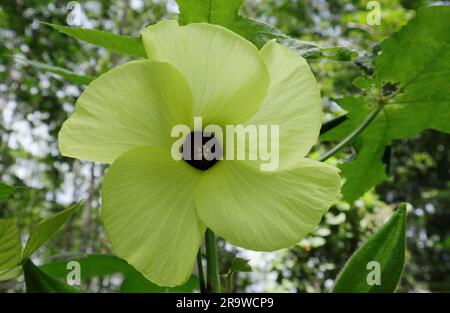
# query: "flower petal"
265, 211
293, 102
149, 215
226, 73
132, 105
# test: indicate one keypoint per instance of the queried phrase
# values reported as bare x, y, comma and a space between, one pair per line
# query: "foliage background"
33, 105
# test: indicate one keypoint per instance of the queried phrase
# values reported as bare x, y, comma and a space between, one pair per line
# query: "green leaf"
190, 286
102, 265
136, 282
37, 280
69, 75
226, 13
240, 265
10, 245
10, 273
338, 53
222, 12
366, 83
259, 33
126, 45
91, 266
427, 56
387, 247
447, 243
47, 229
237, 265
335, 122
367, 169
6, 191
418, 58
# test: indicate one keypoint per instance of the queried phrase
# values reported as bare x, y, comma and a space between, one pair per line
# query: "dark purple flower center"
201, 150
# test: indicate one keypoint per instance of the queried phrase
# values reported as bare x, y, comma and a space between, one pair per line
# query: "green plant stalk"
212, 267
201, 275
230, 282
369, 119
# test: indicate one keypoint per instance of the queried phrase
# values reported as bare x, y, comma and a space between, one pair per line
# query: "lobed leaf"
418, 59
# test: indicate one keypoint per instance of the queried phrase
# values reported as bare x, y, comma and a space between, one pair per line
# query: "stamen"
201, 150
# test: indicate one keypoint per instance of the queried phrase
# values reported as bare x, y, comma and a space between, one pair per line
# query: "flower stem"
201, 276
212, 267
369, 119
